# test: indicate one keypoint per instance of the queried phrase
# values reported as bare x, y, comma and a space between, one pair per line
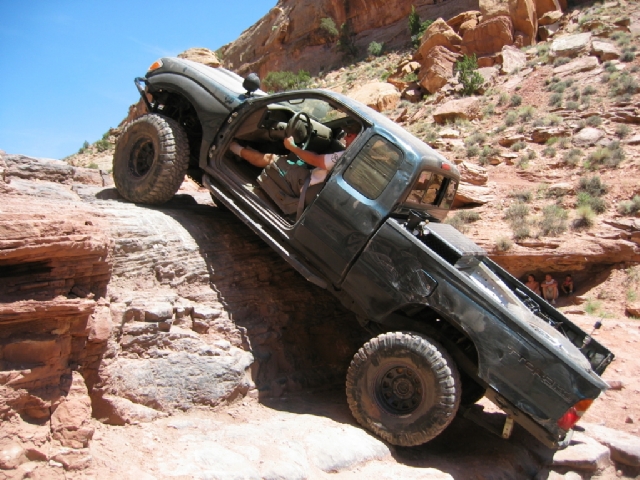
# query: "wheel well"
177, 107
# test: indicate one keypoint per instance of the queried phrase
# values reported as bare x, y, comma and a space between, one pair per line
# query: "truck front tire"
404, 387
151, 159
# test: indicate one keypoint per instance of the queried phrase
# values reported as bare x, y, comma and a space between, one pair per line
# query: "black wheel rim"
141, 158
399, 390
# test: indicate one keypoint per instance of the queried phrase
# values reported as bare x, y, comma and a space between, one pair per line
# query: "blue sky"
68, 66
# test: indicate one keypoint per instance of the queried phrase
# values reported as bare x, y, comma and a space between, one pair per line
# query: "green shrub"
375, 49
589, 90
84, 147
521, 231
328, 26
417, 27
346, 41
594, 121
503, 244
526, 113
630, 207
554, 220
510, 118
468, 74
610, 156
461, 219
523, 196
92, 165
622, 130
516, 147
574, 94
572, 157
627, 56
503, 99
475, 139
596, 204
585, 218
572, 105
593, 185
560, 61
517, 211
555, 100
623, 84
549, 151
473, 151
103, 145
515, 101
285, 80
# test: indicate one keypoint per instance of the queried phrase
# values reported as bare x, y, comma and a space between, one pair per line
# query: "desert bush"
572, 157
594, 121
84, 147
489, 110
515, 100
375, 49
595, 204
517, 211
523, 196
526, 113
328, 26
572, 105
468, 74
510, 118
628, 56
503, 244
285, 80
521, 231
623, 84
461, 219
102, 145
475, 139
503, 99
593, 185
93, 165
549, 151
585, 218
555, 100
610, 156
473, 151
554, 220
622, 130
516, 147
630, 207
560, 61
589, 90
574, 94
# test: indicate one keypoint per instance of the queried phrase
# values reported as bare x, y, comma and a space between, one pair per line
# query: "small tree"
417, 27
346, 43
375, 49
468, 75
328, 26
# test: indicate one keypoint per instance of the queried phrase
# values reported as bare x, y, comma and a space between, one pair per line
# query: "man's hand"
289, 144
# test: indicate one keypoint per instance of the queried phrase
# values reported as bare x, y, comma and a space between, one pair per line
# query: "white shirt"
318, 175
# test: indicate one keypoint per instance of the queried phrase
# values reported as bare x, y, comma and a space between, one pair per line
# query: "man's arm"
305, 155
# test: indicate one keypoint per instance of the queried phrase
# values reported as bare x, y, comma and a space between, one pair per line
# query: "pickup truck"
448, 325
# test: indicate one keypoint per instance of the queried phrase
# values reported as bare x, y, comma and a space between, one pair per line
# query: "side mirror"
251, 83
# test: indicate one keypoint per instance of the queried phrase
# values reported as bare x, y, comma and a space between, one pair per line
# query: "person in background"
550, 289
533, 285
567, 285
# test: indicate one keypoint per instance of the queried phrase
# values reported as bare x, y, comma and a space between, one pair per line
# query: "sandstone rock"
549, 18
472, 195
473, 174
582, 64
206, 312
545, 32
584, 453
570, 45
439, 34
493, 8
542, 134
71, 420
512, 59
12, 455
437, 68
73, 459
449, 133
588, 136
201, 55
380, 96
633, 309
604, 50
625, 448
490, 74
488, 37
560, 189
462, 18
464, 108
120, 411
511, 139
545, 6
525, 20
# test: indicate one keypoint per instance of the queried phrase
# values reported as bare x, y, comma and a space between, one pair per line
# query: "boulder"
464, 108
473, 174
570, 45
472, 195
439, 34
550, 18
488, 37
544, 6
201, 55
525, 20
71, 420
380, 96
490, 74
625, 448
581, 64
604, 50
632, 309
437, 68
588, 136
493, 8
510, 140
512, 59
547, 31
584, 453
463, 18
542, 134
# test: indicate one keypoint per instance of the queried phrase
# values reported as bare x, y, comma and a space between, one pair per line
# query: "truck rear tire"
404, 387
151, 159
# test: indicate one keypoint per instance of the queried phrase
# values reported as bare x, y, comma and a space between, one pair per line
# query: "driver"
323, 163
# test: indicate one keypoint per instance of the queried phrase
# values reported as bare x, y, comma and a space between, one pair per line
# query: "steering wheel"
292, 128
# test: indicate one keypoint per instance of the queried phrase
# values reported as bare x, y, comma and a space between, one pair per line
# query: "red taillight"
569, 419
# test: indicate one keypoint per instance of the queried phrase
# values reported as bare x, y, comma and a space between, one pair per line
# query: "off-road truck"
448, 324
